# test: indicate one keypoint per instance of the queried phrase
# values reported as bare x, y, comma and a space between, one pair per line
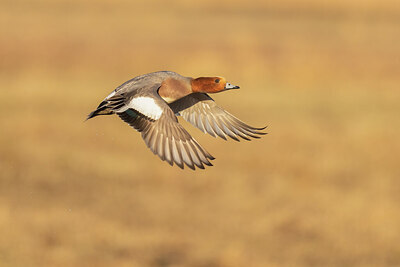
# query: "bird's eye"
217, 80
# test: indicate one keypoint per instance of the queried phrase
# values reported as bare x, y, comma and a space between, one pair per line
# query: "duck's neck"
173, 89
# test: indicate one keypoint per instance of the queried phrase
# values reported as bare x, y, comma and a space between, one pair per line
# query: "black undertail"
107, 107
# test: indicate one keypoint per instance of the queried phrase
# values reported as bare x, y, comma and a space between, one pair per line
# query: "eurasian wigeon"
150, 103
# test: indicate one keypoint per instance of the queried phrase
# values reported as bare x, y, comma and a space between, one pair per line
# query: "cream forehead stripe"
147, 106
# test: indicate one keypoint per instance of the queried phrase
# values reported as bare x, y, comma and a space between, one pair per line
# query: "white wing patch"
147, 106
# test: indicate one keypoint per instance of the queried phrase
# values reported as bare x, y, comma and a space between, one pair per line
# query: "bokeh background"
321, 189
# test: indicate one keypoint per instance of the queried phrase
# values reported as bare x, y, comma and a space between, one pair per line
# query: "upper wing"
167, 138
200, 110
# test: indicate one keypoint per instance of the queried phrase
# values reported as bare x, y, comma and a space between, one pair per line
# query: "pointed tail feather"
108, 106
100, 111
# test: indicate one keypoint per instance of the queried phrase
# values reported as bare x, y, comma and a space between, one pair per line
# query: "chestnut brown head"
211, 85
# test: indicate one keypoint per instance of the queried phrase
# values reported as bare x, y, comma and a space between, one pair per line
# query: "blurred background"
321, 189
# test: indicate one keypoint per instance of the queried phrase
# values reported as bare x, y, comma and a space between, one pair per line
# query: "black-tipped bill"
231, 86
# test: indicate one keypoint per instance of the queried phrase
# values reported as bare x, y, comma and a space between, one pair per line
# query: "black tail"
102, 109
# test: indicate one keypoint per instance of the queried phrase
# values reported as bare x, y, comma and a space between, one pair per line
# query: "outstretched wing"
166, 137
200, 110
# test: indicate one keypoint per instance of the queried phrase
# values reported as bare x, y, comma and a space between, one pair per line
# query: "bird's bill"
229, 86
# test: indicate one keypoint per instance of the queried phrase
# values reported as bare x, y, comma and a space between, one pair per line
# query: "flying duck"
150, 103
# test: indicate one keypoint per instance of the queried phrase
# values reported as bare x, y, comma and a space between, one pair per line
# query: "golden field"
321, 189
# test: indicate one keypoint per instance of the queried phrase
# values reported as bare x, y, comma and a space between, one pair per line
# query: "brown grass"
322, 189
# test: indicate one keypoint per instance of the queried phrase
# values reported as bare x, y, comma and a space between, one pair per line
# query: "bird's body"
150, 103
